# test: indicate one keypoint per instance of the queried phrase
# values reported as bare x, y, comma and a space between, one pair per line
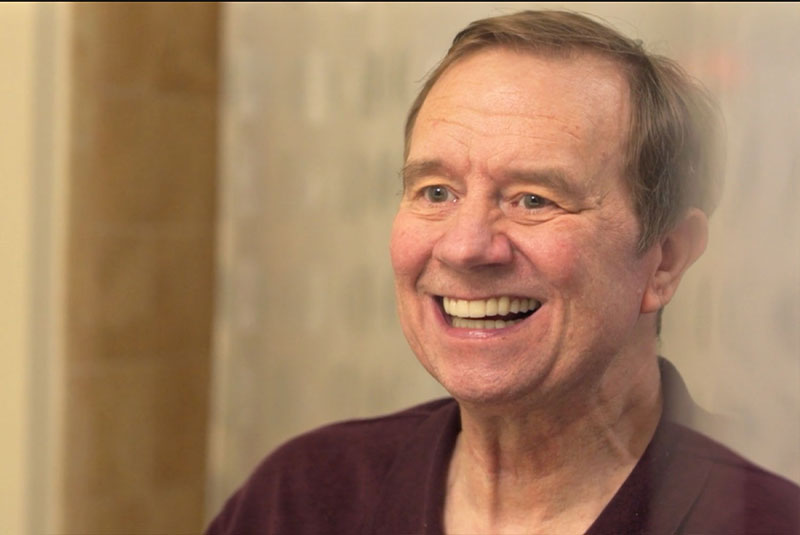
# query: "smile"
492, 313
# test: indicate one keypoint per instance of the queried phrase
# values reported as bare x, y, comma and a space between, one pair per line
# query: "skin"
513, 186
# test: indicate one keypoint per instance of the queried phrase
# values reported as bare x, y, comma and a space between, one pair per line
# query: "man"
557, 184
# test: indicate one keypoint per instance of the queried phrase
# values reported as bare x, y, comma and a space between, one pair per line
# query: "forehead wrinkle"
443, 119
510, 118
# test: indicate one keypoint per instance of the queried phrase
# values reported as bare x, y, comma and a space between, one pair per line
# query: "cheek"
408, 249
557, 256
578, 261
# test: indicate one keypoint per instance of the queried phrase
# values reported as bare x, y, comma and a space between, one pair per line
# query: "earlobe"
678, 248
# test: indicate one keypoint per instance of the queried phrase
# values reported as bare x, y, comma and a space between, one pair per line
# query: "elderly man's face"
514, 247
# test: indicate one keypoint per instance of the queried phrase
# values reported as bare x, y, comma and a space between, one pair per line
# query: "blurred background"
194, 220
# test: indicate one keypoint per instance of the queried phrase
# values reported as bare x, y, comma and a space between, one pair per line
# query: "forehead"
501, 101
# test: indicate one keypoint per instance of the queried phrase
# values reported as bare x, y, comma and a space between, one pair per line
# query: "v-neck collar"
654, 499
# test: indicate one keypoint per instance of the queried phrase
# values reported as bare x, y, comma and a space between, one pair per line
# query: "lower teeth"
464, 323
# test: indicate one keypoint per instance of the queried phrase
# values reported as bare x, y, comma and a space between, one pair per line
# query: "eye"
531, 201
437, 194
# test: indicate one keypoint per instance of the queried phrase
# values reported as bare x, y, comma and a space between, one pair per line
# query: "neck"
552, 470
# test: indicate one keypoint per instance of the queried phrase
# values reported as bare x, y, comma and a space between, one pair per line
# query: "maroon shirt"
387, 476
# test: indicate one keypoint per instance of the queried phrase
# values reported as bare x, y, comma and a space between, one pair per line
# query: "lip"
460, 332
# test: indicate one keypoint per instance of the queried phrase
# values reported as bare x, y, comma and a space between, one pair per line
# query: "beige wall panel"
140, 270
33, 114
17, 39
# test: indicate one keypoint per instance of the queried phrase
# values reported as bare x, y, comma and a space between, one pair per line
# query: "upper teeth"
495, 306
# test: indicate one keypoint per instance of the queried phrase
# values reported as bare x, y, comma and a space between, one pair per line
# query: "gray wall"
313, 102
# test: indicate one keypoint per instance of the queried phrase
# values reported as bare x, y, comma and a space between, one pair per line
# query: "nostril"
473, 246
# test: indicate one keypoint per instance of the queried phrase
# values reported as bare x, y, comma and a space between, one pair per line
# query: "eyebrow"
415, 170
552, 178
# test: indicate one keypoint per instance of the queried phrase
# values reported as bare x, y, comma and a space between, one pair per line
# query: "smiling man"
557, 185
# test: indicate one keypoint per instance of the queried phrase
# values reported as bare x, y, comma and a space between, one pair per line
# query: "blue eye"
437, 194
532, 201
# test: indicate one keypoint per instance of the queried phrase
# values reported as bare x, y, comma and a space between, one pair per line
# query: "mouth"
493, 313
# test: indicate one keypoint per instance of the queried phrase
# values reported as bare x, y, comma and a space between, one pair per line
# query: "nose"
473, 240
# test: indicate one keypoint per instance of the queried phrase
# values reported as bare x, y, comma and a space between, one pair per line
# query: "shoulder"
738, 496
348, 437
724, 492
323, 478
359, 450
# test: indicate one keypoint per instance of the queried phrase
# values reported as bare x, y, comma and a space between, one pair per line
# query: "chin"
487, 390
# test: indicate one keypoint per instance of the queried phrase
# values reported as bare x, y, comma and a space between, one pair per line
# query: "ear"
678, 249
